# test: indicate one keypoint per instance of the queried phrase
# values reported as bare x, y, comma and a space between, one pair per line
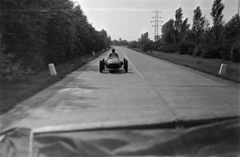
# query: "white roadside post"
222, 69
93, 53
52, 69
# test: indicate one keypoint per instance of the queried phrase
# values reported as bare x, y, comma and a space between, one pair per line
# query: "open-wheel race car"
113, 63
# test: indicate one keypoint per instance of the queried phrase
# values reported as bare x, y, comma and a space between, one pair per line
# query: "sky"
128, 19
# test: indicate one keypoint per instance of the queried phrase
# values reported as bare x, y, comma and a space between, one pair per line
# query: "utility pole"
156, 24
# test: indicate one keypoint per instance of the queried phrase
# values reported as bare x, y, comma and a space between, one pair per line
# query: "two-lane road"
152, 91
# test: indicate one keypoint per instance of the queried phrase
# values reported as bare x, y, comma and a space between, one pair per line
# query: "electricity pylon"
156, 24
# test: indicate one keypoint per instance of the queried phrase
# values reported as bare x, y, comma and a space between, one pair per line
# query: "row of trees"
143, 43
221, 40
34, 33
120, 42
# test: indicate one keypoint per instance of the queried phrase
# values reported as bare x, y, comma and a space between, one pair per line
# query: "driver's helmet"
113, 50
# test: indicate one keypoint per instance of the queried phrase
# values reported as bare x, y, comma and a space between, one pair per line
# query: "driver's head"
113, 50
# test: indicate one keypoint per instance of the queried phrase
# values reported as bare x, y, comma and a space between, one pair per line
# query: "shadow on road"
107, 71
120, 71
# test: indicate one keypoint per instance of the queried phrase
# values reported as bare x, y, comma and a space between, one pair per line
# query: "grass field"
12, 93
210, 66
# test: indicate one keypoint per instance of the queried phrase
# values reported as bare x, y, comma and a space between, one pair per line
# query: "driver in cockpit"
113, 54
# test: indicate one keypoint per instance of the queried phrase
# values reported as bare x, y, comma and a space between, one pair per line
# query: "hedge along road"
153, 91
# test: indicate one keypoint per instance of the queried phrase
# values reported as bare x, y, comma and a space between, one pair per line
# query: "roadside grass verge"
11, 93
210, 66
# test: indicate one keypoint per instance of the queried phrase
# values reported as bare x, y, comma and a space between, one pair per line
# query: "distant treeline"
34, 33
120, 42
221, 40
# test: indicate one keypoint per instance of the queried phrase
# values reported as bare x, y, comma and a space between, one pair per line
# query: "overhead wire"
206, 2
189, 10
187, 4
201, 5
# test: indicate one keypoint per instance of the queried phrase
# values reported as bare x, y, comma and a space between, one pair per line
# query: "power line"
238, 6
206, 2
200, 5
156, 24
190, 3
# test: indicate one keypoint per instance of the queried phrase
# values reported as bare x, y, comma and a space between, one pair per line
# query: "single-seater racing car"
113, 63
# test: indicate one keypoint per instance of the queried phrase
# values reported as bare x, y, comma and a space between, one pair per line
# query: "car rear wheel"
100, 66
103, 64
126, 65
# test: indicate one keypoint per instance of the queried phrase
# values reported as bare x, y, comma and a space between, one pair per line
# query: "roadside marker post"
52, 69
222, 70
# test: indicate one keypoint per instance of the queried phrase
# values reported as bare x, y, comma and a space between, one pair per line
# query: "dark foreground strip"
214, 137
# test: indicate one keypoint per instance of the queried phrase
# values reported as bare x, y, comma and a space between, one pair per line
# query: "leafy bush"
171, 48
11, 70
145, 48
184, 46
225, 52
36, 40
211, 51
133, 44
190, 50
197, 50
160, 48
235, 52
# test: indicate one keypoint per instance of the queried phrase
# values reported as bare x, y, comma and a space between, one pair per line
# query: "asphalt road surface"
152, 91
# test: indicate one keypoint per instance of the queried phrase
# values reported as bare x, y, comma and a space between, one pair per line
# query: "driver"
112, 54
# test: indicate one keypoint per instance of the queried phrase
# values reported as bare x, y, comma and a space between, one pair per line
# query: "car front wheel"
126, 65
100, 66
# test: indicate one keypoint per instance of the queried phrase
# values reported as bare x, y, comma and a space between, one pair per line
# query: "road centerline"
155, 93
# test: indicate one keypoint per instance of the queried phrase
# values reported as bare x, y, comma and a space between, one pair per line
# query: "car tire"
100, 66
124, 60
126, 66
103, 64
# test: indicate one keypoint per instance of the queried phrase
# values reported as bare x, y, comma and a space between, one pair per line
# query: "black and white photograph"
142, 78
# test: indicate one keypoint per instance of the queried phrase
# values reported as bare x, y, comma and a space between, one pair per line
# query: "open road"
153, 91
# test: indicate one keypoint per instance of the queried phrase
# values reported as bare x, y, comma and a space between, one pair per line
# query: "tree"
178, 19
82, 29
184, 27
34, 33
178, 24
217, 16
184, 43
133, 44
23, 32
232, 29
231, 39
198, 24
120, 42
206, 25
145, 42
168, 35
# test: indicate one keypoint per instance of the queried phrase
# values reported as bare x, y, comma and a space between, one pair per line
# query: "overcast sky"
128, 19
